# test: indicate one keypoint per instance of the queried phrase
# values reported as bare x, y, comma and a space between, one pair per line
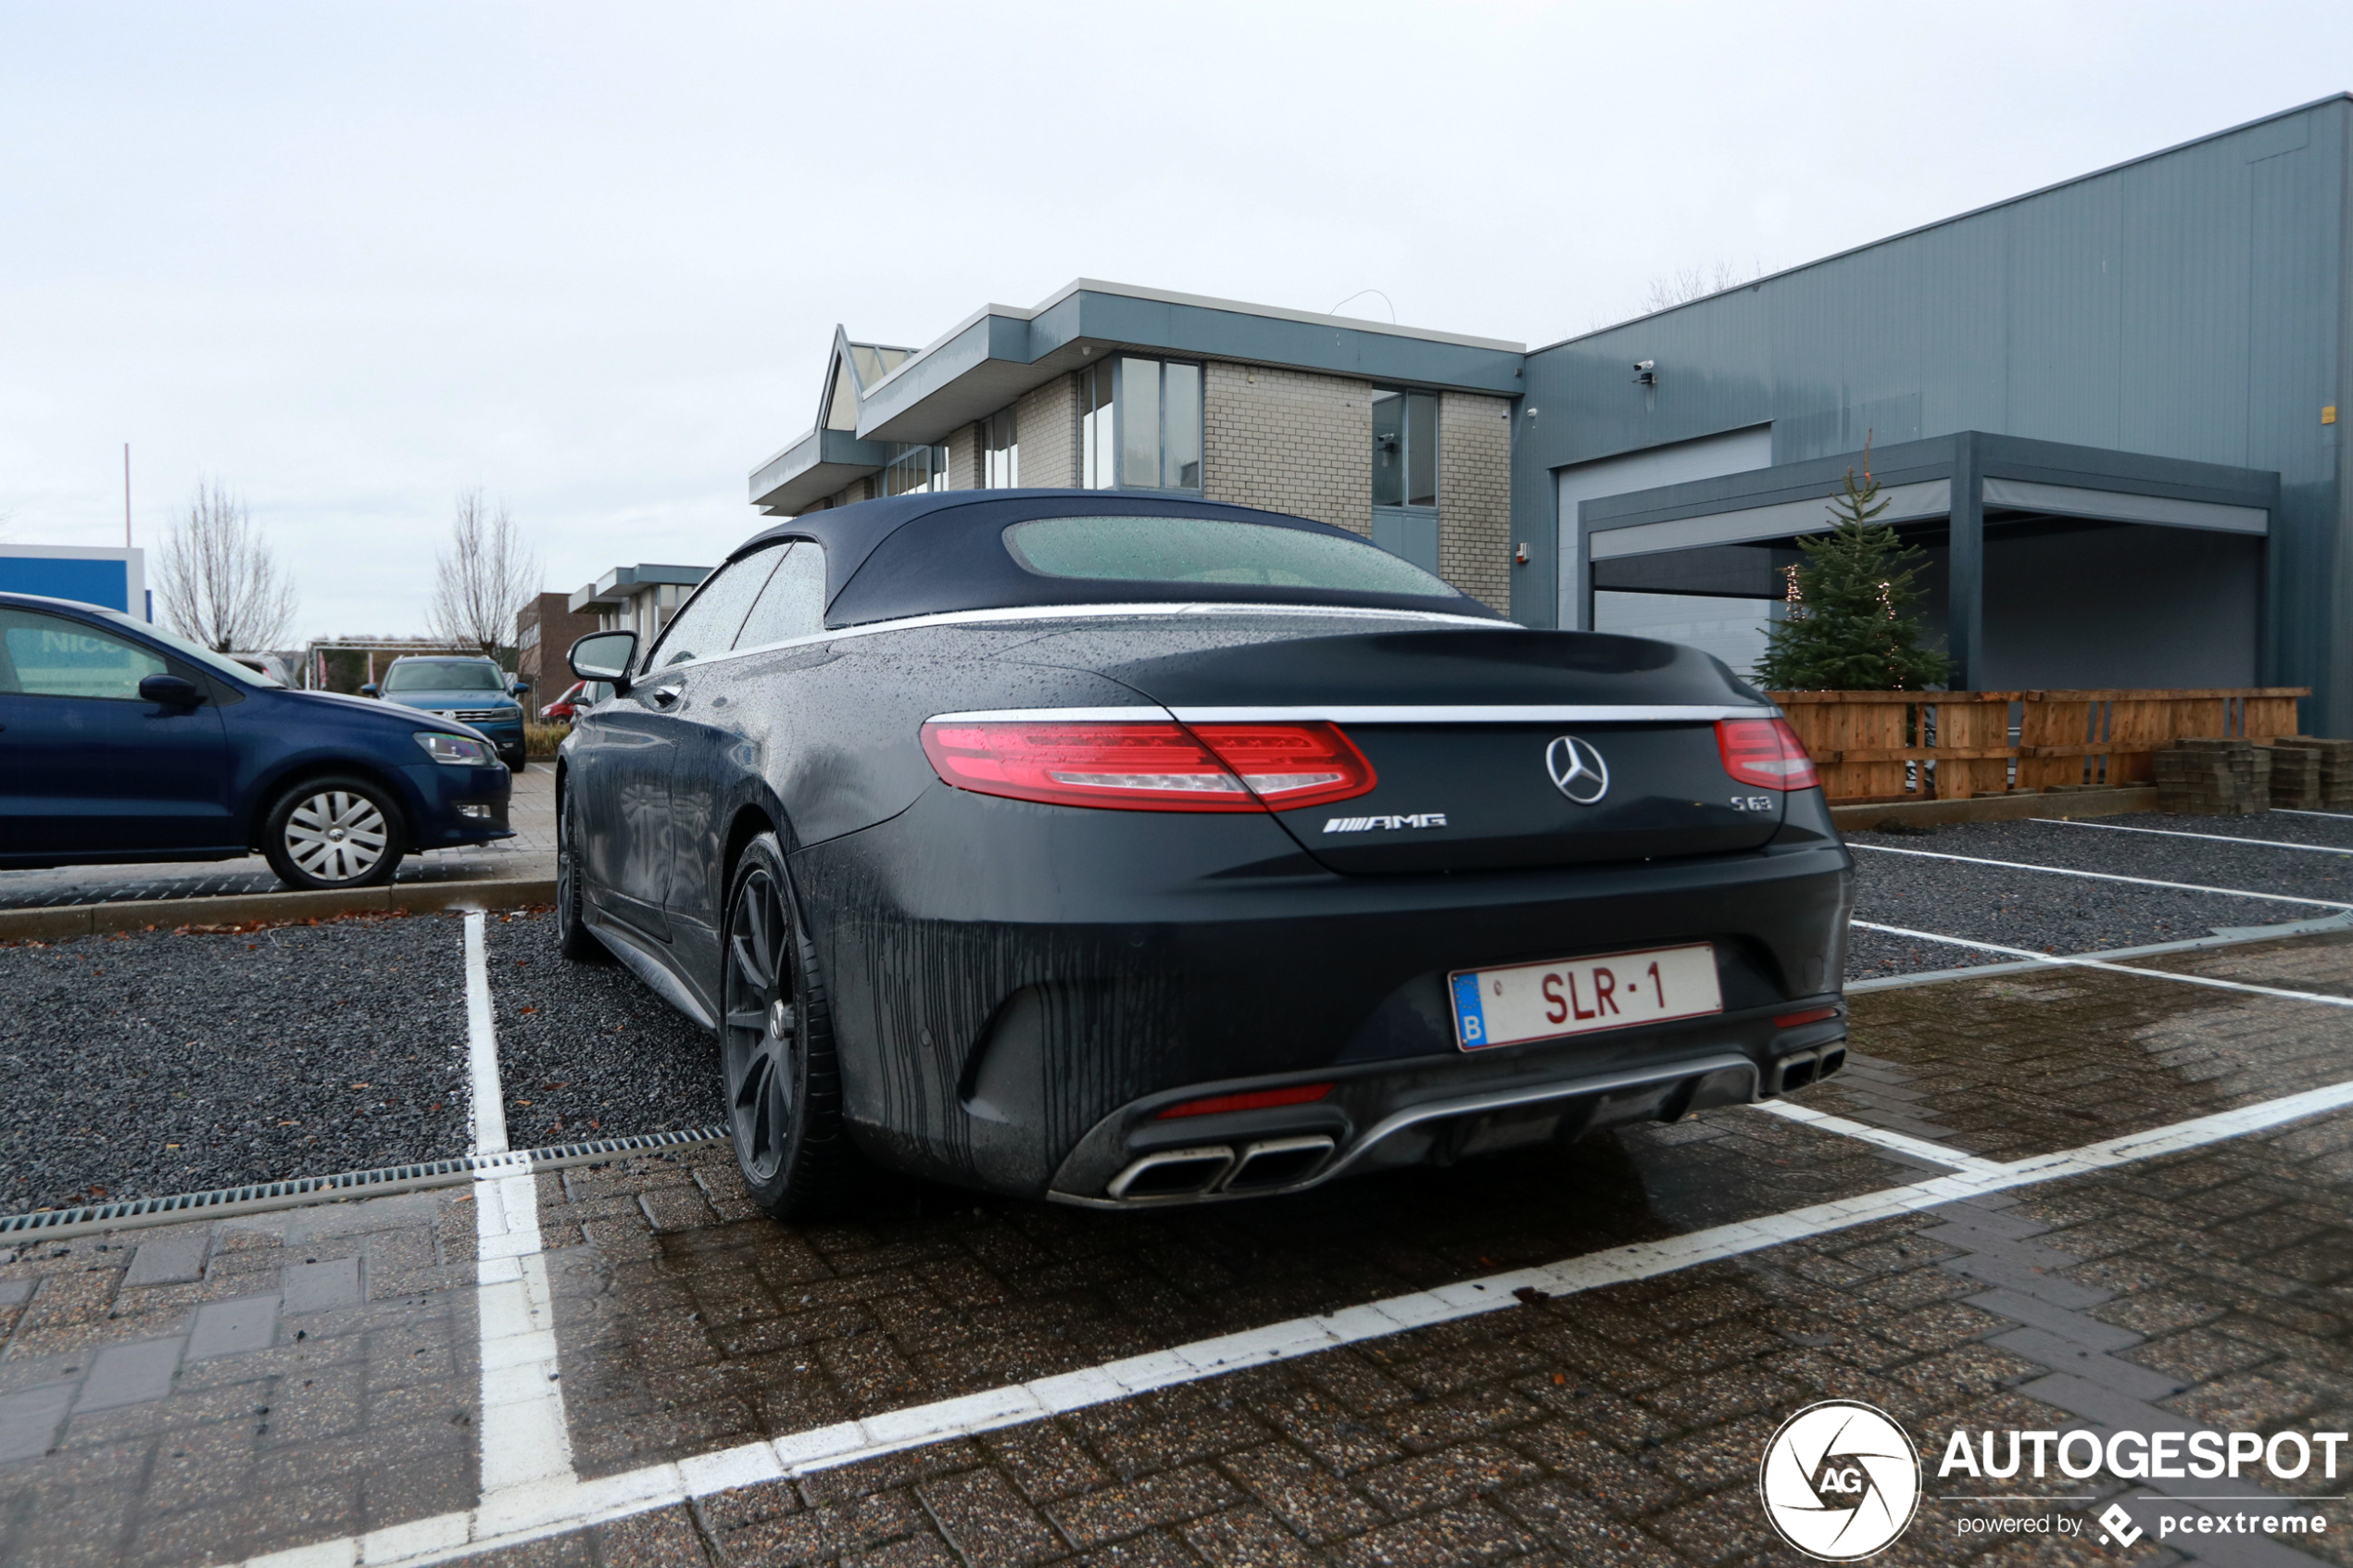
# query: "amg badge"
1366, 825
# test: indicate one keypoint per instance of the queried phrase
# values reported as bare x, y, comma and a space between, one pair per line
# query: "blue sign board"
100, 582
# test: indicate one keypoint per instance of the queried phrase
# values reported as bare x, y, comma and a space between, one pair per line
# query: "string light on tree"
1849, 626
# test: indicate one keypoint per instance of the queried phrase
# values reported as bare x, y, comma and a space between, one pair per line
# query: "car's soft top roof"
943, 551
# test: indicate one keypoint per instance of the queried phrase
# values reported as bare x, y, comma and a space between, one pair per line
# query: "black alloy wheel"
332, 834
775, 1047
573, 939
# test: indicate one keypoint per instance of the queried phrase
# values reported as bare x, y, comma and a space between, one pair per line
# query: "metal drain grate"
347, 1180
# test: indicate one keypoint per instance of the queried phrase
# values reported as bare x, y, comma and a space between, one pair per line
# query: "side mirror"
605, 655
369, 690
170, 691
520, 688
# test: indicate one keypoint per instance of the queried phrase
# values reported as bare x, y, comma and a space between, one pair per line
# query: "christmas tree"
1848, 627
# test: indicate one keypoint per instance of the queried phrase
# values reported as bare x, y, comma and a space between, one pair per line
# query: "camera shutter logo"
1840, 1481
1577, 769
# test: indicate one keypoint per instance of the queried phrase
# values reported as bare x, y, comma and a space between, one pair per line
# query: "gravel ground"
150, 1064
154, 1064
585, 1051
2058, 914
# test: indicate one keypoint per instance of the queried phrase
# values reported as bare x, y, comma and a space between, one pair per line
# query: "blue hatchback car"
475, 692
121, 742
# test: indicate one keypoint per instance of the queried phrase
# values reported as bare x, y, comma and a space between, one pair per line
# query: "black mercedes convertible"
1131, 851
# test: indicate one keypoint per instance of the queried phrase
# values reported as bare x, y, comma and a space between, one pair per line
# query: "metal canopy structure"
1956, 481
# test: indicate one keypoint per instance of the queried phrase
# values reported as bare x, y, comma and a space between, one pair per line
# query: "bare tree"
484, 581
218, 579
1687, 283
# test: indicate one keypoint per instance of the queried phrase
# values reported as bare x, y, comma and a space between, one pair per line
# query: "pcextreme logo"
1839, 1480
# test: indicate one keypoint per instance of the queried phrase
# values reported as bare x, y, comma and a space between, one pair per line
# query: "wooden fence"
1948, 746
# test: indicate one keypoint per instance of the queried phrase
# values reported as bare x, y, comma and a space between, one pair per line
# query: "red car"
573, 699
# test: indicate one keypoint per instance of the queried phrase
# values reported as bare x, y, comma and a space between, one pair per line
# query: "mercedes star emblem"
1577, 769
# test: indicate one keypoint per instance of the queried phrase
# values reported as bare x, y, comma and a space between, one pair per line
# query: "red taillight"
1811, 1015
1764, 752
1152, 766
1258, 1099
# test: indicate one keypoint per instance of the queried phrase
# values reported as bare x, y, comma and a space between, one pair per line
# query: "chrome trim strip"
1479, 714
1501, 1099
1342, 713
1142, 714
1017, 613
1432, 1110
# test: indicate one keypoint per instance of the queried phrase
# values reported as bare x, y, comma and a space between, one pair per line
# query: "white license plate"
1544, 1002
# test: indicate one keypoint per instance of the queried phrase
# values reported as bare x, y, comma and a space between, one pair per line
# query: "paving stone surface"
1624, 1426
208, 1391
689, 1321
2030, 1064
262, 1400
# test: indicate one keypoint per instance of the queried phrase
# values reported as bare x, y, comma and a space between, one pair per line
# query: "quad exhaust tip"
1267, 1165
1810, 1066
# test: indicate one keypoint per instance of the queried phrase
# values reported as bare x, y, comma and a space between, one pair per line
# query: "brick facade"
1046, 420
1289, 441
1475, 496
545, 631
964, 458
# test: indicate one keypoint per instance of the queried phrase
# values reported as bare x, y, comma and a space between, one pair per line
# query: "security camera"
1645, 364
1645, 372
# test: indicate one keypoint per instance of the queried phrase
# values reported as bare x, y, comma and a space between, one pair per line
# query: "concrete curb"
1998, 808
235, 909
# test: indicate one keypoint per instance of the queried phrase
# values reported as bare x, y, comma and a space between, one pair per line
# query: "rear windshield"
1207, 549
444, 675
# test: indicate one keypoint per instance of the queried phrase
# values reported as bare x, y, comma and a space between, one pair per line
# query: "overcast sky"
350, 260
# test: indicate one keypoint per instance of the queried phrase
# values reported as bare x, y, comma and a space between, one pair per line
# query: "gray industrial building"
2105, 409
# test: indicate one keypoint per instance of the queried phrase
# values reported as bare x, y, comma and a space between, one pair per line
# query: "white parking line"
2078, 962
2332, 816
2177, 833
1863, 1132
2103, 876
560, 1509
526, 1442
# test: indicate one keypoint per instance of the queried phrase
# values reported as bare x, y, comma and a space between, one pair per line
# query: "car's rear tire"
573, 939
331, 834
778, 1069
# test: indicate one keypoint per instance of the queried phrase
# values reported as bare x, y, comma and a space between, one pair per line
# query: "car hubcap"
337, 836
764, 1047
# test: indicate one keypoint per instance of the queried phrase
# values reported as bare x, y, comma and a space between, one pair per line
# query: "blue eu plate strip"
1470, 1019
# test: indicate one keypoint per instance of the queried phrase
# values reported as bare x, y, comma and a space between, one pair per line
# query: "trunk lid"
1466, 729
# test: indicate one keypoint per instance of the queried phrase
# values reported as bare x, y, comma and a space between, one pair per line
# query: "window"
650, 608
49, 656
1139, 425
913, 469
1404, 449
793, 604
708, 623
1203, 549
1095, 429
444, 675
1001, 451
196, 652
